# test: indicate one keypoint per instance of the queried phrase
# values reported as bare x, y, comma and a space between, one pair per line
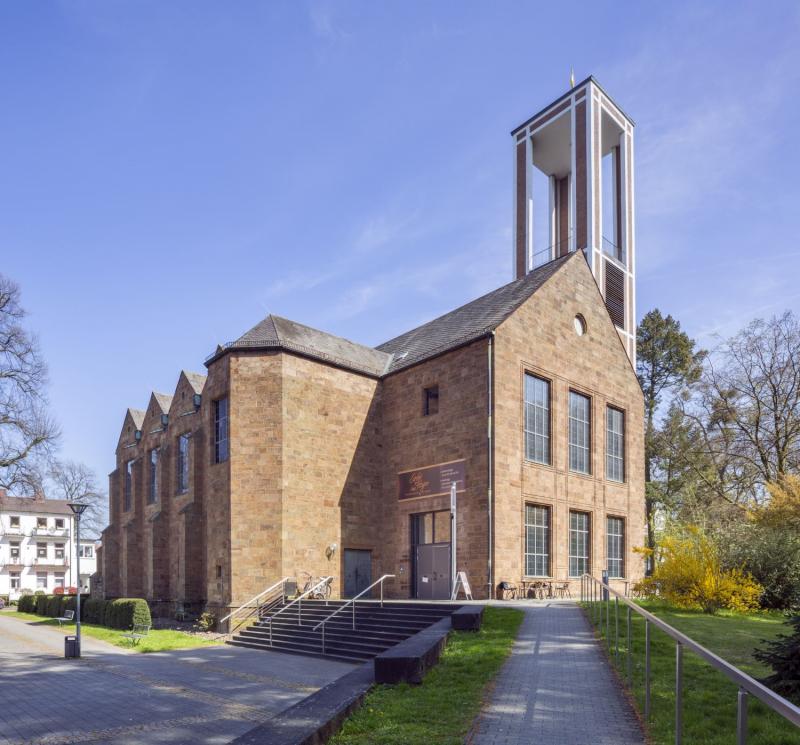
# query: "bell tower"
573, 190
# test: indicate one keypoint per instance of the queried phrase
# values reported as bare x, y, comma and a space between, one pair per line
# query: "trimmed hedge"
27, 603
121, 613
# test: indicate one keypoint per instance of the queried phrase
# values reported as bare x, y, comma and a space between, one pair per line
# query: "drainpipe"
490, 460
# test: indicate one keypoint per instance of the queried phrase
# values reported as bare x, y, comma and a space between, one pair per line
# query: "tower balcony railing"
553, 251
12, 561
614, 251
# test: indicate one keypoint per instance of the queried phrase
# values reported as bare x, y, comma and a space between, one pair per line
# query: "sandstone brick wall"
411, 440
540, 338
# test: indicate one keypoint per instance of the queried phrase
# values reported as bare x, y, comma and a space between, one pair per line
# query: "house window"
220, 430
14, 547
126, 497
41, 550
58, 579
430, 400
182, 464
537, 541
537, 419
578, 544
59, 550
59, 523
615, 444
86, 552
14, 580
41, 522
41, 580
579, 433
615, 540
14, 521
152, 493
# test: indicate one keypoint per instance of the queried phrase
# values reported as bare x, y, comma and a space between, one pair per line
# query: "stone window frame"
621, 543
182, 463
622, 458
589, 537
589, 423
221, 445
127, 486
152, 480
525, 553
549, 381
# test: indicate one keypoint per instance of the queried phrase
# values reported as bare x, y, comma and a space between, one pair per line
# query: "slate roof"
164, 401
29, 504
458, 327
469, 322
137, 415
281, 333
196, 380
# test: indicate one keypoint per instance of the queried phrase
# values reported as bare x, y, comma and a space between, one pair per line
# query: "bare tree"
27, 433
746, 409
77, 482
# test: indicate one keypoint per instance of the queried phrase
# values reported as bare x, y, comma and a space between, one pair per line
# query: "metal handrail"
352, 602
271, 588
299, 601
594, 591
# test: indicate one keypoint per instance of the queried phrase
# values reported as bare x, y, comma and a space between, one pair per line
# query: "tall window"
615, 444
41, 522
41, 580
182, 464
41, 550
537, 419
220, 430
430, 402
58, 579
537, 541
152, 492
580, 441
615, 541
59, 523
578, 543
86, 552
59, 550
14, 521
14, 580
14, 547
126, 496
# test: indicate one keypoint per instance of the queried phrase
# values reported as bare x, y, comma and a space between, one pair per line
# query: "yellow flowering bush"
688, 574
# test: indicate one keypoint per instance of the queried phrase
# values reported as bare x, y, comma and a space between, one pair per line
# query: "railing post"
630, 651
616, 629
741, 717
270, 631
646, 670
323, 638
300, 611
381, 592
354, 615
608, 620
678, 693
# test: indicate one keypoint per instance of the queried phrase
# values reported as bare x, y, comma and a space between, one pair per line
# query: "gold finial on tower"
571, 77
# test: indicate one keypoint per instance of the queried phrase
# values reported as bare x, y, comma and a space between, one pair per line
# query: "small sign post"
453, 504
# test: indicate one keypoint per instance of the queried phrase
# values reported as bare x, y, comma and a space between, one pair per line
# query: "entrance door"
430, 538
357, 571
433, 571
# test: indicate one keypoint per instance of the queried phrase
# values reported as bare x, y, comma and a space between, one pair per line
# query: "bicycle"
321, 593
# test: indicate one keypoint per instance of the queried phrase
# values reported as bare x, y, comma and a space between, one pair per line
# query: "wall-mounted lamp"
331, 550
164, 420
197, 400
137, 435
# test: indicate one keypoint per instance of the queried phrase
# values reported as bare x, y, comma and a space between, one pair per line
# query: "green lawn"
158, 640
709, 699
443, 707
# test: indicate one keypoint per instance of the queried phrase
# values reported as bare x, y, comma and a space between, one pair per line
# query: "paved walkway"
556, 688
203, 695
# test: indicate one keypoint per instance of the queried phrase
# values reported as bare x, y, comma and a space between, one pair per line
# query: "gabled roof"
454, 329
275, 332
469, 322
196, 380
137, 417
164, 400
30, 504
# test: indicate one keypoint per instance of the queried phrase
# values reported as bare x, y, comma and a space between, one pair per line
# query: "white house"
37, 546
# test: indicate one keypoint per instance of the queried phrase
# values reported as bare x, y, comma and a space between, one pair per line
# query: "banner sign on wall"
432, 481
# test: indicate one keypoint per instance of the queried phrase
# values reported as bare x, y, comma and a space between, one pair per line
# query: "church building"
302, 452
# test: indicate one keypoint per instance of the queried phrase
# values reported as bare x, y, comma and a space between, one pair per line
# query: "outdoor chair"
562, 590
507, 591
137, 633
68, 617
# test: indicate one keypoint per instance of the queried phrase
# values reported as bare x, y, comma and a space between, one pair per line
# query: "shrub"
92, 610
783, 656
123, 613
688, 573
206, 622
53, 606
27, 604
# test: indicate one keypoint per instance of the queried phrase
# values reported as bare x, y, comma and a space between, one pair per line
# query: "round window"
580, 325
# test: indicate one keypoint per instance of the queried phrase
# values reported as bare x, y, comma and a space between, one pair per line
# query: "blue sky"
171, 172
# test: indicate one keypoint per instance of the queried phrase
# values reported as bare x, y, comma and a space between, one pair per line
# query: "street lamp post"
78, 508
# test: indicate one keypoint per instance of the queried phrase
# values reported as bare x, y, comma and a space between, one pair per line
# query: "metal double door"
432, 566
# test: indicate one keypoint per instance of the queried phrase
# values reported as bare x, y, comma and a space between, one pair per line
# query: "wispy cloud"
324, 25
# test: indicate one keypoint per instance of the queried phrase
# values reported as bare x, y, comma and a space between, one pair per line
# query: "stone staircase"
377, 628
